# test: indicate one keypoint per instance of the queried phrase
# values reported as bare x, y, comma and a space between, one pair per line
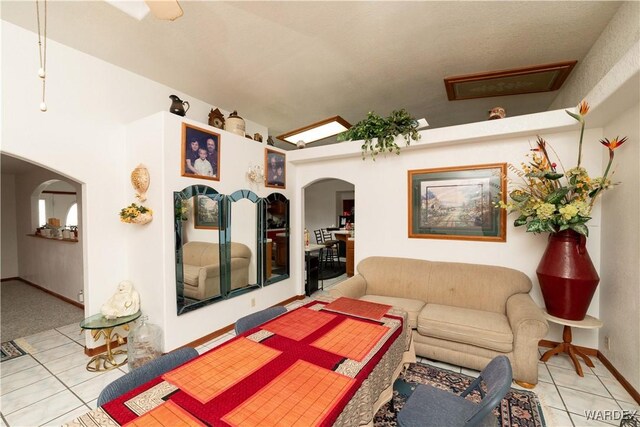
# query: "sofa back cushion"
474, 286
200, 253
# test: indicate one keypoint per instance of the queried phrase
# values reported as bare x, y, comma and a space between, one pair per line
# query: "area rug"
519, 408
11, 350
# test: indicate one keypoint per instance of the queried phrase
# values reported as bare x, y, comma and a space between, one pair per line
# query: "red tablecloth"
262, 377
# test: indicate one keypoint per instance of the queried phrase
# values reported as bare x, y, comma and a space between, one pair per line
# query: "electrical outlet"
253, 302
607, 343
81, 296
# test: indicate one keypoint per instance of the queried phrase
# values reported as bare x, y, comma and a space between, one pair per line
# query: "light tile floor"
51, 385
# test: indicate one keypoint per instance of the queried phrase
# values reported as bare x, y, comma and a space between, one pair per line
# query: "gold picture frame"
458, 203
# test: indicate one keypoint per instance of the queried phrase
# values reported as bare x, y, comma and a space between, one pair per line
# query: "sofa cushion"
411, 306
480, 328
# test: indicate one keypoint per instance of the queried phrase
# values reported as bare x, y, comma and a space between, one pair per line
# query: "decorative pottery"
567, 276
497, 113
235, 124
177, 106
140, 181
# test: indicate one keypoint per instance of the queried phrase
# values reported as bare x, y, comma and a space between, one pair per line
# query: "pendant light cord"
42, 50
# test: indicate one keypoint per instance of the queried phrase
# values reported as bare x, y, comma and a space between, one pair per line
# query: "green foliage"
384, 131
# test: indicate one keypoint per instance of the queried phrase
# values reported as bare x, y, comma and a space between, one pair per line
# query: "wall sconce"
255, 174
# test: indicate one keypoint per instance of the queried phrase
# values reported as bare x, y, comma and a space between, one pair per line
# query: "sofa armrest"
212, 270
353, 287
525, 317
529, 326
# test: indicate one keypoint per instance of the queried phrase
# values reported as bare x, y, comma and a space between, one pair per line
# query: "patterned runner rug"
519, 408
11, 350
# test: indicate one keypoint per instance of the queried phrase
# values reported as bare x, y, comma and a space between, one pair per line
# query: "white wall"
320, 203
8, 232
620, 272
381, 193
82, 136
156, 142
52, 264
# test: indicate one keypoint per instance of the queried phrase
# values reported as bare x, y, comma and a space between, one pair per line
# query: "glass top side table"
101, 326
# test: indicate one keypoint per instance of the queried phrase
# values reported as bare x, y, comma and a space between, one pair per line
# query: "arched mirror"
198, 221
275, 211
242, 242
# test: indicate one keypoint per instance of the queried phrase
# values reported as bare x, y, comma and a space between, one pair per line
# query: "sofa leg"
524, 384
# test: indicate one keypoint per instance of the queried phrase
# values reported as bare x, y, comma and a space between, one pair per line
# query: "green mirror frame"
225, 204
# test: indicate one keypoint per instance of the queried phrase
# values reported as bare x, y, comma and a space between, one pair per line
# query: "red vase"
567, 276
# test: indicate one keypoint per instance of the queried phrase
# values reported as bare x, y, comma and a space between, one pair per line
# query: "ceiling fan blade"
168, 10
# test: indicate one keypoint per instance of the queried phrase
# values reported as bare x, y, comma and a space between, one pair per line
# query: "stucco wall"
620, 270
614, 42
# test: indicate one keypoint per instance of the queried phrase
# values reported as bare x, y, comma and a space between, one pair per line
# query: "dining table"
327, 362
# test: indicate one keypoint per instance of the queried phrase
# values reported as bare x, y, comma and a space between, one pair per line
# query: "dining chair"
331, 253
245, 323
145, 373
429, 406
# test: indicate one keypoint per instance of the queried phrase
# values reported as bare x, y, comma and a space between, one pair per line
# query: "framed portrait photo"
274, 169
458, 203
206, 213
200, 153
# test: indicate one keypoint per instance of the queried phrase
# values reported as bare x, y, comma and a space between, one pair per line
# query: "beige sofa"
201, 268
464, 314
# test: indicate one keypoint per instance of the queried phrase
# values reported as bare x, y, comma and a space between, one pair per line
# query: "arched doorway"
329, 213
43, 274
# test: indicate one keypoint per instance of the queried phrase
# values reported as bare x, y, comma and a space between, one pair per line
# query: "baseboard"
228, 328
9, 278
627, 386
61, 297
596, 353
102, 348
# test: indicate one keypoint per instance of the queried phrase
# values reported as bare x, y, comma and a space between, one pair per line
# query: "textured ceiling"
288, 64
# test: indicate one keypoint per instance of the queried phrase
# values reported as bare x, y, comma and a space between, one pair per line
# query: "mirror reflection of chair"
429, 406
145, 373
253, 320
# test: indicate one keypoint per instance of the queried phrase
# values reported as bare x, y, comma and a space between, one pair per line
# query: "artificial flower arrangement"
551, 201
136, 214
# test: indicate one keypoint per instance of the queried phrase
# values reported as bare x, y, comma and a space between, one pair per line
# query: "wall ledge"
511, 127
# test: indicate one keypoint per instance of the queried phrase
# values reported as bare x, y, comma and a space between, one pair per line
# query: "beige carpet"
27, 310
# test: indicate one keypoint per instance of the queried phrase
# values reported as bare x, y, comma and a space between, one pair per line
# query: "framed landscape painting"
458, 203
206, 213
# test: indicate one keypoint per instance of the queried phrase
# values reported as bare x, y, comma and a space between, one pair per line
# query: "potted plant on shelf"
384, 131
560, 202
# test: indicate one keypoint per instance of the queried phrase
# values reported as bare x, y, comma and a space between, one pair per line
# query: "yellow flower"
583, 207
545, 210
568, 211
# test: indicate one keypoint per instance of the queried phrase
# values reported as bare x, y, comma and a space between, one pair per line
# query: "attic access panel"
539, 78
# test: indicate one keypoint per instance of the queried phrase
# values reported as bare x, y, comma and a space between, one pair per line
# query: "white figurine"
124, 302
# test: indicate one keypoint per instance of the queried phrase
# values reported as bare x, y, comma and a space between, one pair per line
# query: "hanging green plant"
384, 131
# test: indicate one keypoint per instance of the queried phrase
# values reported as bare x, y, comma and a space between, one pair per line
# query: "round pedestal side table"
566, 346
101, 326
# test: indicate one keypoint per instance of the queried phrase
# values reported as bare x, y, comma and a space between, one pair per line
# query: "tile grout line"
566, 410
